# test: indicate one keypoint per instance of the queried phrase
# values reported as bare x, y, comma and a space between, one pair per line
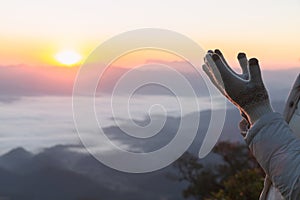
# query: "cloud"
36, 122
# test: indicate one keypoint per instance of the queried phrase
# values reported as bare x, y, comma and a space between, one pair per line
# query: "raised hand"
245, 90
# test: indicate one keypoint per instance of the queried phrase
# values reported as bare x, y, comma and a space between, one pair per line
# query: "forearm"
278, 152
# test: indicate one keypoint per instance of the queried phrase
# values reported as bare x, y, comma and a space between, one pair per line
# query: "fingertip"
241, 55
215, 57
254, 70
253, 61
210, 51
217, 51
207, 57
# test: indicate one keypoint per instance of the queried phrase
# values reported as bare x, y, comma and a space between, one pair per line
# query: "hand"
246, 90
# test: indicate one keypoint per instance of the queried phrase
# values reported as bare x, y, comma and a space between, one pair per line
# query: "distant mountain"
278, 89
9, 184
50, 81
279, 82
49, 184
61, 174
15, 158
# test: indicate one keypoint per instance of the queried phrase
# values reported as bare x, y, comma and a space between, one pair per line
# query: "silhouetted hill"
59, 173
10, 183
49, 184
15, 159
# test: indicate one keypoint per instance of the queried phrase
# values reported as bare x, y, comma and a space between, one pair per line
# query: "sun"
68, 57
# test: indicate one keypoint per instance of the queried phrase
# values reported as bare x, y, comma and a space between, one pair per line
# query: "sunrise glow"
68, 57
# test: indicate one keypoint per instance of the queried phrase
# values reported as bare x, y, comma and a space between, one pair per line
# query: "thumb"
243, 126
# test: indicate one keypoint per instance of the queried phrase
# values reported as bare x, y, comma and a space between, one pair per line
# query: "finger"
254, 70
210, 51
243, 126
210, 76
214, 70
242, 58
225, 72
217, 51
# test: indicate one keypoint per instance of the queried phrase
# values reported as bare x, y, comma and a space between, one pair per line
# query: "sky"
35, 88
33, 31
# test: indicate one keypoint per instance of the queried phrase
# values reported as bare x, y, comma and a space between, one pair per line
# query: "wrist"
256, 111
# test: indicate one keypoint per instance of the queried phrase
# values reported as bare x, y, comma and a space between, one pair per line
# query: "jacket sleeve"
277, 150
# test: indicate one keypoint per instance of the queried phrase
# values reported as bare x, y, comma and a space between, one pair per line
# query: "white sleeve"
277, 150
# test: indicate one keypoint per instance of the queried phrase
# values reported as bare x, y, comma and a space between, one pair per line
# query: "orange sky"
32, 32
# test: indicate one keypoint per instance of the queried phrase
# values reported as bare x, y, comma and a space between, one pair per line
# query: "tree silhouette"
238, 176
244, 185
